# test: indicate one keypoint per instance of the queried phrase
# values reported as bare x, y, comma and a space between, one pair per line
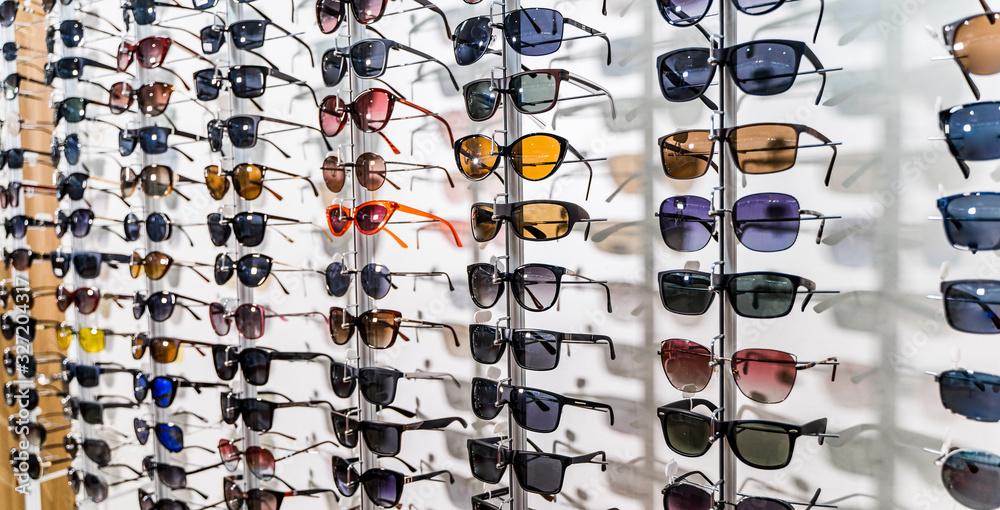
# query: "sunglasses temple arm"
592, 32
294, 81
437, 424
573, 338
602, 91
429, 113
433, 375
590, 459
585, 161
430, 476
435, 325
588, 404
591, 280
312, 58
826, 142
417, 212
297, 176
430, 275
828, 361
431, 59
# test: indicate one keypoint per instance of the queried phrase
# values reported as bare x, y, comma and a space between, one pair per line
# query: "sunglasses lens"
242, 132
216, 181
163, 391
337, 280
370, 217
534, 32
158, 227
120, 98
685, 223
171, 437
683, 13
540, 222
535, 157
375, 280
973, 479
256, 365
156, 265
332, 115
92, 412
970, 220
472, 38
378, 329
345, 477
686, 293
214, 134
223, 268
764, 375
768, 148
250, 321
92, 340
484, 346
343, 378
686, 155
248, 180
96, 487
369, 11
767, 222
372, 109
542, 474
249, 228
164, 350
328, 15
477, 156
253, 269
261, 462
338, 219
535, 410
485, 395
248, 81
977, 41
229, 454
97, 451
157, 180
217, 315
383, 440
533, 92
484, 284
248, 35
333, 66
686, 365
171, 476
153, 139
686, 434
341, 327
973, 395
226, 361
370, 168
535, 287
346, 430
762, 445
687, 497
205, 85
685, 74
378, 386
258, 416
151, 51
761, 296
972, 131
480, 101
218, 229
333, 174
483, 458
765, 69
381, 487
368, 58
211, 39
88, 265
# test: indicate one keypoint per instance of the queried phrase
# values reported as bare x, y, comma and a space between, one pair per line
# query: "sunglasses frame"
501, 278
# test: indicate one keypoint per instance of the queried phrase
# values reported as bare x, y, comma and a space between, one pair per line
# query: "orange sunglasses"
371, 217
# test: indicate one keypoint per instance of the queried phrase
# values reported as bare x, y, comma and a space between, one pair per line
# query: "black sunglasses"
257, 414
246, 35
759, 444
71, 68
152, 140
252, 269
73, 110
759, 68
159, 227
161, 305
174, 477
684, 494
249, 227
537, 472
685, 13
96, 487
530, 92
70, 146
74, 184
254, 361
531, 32
385, 439
384, 487
71, 32
91, 412
243, 132
757, 295
535, 286
376, 279
378, 384
533, 409
246, 81
89, 376
168, 434
370, 58
533, 349
97, 450
970, 221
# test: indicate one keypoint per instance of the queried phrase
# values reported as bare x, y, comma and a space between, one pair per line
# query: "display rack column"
727, 250
513, 187
364, 253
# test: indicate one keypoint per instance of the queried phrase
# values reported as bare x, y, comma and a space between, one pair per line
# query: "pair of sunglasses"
533, 349
10, 195
533, 220
259, 499
762, 375
968, 129
384, 438
372, 217
21, 326
759, 68
370, 170
331, 13
173, 476
245, 82
533, 409
17, 226
243, 132
246, 35
757, 295
152, 98
371, 112
685, 494
260, 460
96, 487
71, 34
164, 388
91, 412
150, 53
85, 299
764, 222
169, 435
533, 157
535, 286
376, 279
763, 148
161, 305
257, 414
530, 92
162, 349
250, 319
686, 13
537, 472
369, 58
89, 376
252, 269
378, 384
247, 180
972, 306
156, 181
248, 227
970, 221
531, 32
255, 362
759, 444
69, 146
87, 264
975, 395
377, 328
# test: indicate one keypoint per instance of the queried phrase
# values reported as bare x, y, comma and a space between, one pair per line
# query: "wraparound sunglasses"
757, 295
535, 286
371, 217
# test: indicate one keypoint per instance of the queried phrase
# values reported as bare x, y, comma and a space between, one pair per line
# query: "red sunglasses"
371, 112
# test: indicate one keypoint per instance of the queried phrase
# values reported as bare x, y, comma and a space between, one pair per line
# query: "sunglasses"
156, 181
535, 286
159, 228
97, 450
174, 477
686, 13
23, 296
764, 222
250, 319
257, 414
376, 279
378, 384
259, 499
91, 339
530, 92
533, 349
73, 185
70, 146
531, 32
156, 265
89, 376
370, 58
152, 98
968, 130
96, 487
78, 222
371, 111
764, 148
370, 169
968, 220
32, 431
971, 306
533, 157
169, 435
971, 477
346, 477
71, 34
12, 85
17, 226
260, 460
161, 305
762, 375
150, 53
71, 68
246, 35
10, 195
163, 349
972, 41
331, 13
87, 264
759, 68
757, 295
251, 270
249, 227
536, 472
245, 81
759, 444
684, 494
72, 109
248, 181
533, 409
164, 388
254, 361
91, 412
534, 220
21, 258
975, 395
15, 324
371, 217
15, 362
85, 299
377, 328
15, 157
243, 132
